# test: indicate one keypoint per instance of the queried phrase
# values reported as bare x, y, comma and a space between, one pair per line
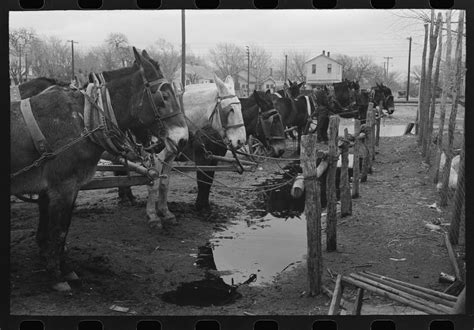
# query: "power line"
72, 57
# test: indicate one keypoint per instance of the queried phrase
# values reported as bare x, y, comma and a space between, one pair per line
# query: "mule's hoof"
72, 276
170, 219
155, 224
62, 287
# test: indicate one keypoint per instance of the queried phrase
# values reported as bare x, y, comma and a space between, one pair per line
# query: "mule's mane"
120, 73
53, 81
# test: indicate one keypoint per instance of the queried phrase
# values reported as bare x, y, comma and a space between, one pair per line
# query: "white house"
242, 86
322, 69
195, 74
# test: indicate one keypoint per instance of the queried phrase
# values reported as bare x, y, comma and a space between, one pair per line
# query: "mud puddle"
270, 239
385, 130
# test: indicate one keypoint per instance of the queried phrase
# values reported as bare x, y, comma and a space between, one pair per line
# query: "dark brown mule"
138, 103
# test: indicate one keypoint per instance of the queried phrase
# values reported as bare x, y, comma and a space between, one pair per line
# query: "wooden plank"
452, 257
414, 286
217, 168
110, 168
333, 156
358, 302
343, 303
411, 291
116, 181
336, 297
312, 212
389, 295
397, 292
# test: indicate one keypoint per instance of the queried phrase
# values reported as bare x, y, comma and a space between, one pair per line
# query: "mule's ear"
138, 58
291, 84
301, 84
145, 55
229, 82
221, 88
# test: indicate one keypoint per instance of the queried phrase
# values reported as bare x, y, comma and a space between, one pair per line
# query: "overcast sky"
377, 33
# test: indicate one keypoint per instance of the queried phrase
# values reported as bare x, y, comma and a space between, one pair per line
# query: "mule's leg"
125, 193
61, 203
204, 183
43, 225
298, 150
151, 204
163, 188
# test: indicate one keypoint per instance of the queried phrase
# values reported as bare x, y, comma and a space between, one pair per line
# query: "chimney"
271, 72
324, 52
329, 54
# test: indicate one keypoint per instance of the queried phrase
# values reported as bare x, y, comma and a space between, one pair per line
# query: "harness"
223, 113
264, 116
100, 125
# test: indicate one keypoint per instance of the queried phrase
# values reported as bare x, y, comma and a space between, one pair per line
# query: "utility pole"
248, 71
20, 80
408, 78
26, 66
183, 50
72, 56
388, 62
385, 70
286, 67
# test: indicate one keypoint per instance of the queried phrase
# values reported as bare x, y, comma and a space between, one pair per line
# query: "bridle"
220, 111
270, 116
160, 118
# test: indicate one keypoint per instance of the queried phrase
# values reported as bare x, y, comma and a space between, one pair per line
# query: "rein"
218, 112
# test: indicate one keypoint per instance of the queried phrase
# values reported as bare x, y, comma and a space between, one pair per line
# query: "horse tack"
39, 140
224, 112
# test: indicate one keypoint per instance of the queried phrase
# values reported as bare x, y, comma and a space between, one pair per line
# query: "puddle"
269, 240
264, 247
387, 130
209, 291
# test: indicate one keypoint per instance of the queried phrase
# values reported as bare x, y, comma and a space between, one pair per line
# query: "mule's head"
159, 109
382, 95
295, 88
270, 129
229, 110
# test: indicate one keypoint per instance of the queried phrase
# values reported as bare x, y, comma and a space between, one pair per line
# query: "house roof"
243, 74
313, 58
200, 70
268, 78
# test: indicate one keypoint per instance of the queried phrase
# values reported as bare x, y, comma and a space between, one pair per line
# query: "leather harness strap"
37, 136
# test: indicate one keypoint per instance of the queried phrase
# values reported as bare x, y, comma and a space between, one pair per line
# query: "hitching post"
312, 212
355, 166
346, 201
331, 241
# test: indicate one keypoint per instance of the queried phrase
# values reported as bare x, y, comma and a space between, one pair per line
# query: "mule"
213, 112
285, 103
382, 96
141, 100
263, 122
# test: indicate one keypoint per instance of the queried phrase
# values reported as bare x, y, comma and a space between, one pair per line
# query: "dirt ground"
121, 261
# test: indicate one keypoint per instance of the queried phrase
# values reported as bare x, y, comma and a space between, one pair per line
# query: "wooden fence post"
312, 212
444, 96
453, 114
458, 201
355, 166
372, 137
369, 140
377, 125
421, 93
346, 201
331, 241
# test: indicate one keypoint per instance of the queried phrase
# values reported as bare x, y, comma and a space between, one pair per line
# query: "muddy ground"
121, 261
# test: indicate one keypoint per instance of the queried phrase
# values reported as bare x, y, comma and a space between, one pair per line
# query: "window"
313, 69
329, 67
267, 86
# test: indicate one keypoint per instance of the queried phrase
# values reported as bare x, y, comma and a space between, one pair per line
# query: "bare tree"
260, 61
20, 41
118, 43
168, 56
51, 58
228, 59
